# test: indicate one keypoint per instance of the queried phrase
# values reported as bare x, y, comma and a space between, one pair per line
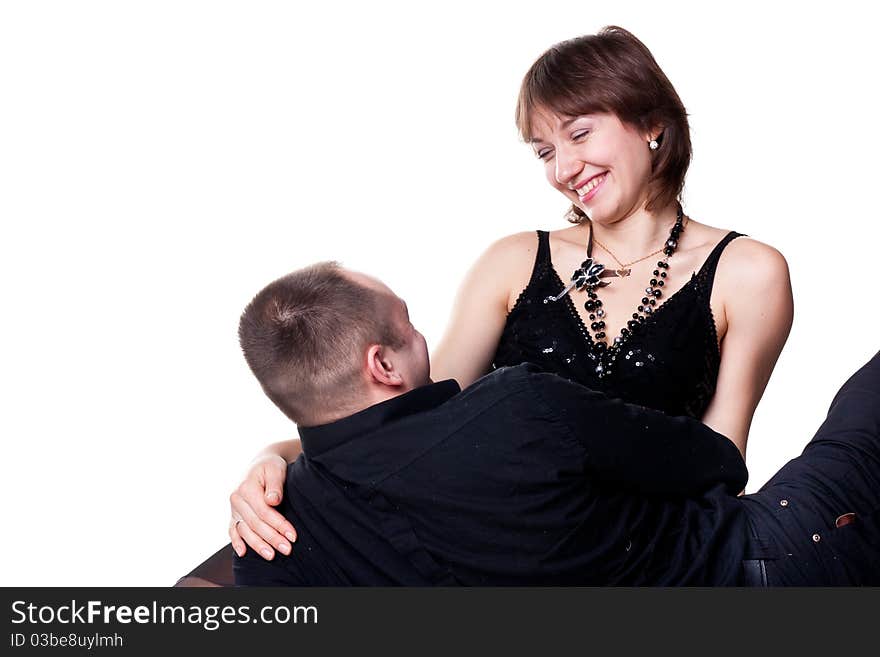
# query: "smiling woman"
672, 324
661, 310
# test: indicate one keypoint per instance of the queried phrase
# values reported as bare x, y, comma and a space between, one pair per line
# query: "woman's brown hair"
613, 72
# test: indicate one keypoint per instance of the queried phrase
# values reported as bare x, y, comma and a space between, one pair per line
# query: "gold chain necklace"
625, 269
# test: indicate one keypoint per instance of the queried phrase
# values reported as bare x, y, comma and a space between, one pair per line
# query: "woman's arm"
254, 521
754, 282
489, 289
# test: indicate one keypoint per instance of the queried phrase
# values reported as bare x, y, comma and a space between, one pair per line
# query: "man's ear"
380, 366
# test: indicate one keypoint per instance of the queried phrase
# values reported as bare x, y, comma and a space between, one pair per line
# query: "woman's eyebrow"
565, 124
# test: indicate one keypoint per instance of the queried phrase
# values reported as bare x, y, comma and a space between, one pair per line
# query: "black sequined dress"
670, 364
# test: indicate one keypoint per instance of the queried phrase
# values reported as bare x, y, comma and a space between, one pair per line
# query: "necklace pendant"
623, 272
568, 289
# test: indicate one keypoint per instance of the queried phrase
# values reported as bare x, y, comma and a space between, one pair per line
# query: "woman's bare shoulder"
749, 261
511, 251
700, 236
743, 253
750, 271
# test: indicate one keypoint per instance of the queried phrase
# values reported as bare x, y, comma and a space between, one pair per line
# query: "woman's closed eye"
580, 134
544, 153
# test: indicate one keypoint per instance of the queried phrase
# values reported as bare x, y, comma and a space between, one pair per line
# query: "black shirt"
525, 478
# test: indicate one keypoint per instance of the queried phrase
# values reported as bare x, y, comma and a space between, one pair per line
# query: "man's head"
325, 342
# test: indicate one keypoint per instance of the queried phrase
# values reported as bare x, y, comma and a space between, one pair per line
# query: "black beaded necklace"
588, 277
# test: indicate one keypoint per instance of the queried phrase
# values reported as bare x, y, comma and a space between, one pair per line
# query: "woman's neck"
636, 234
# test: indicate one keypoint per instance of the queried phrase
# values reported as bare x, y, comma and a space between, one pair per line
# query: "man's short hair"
305, 334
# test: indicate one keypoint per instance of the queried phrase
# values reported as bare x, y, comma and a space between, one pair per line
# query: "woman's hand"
254, 521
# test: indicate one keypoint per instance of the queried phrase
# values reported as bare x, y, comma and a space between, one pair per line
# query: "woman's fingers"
235, 538
274, 474
255, 542
254, 522
258, 496
260, 535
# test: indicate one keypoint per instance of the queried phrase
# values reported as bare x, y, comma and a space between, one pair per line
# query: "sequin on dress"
671, 364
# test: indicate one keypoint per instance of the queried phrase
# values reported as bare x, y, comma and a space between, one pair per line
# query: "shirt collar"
323, 437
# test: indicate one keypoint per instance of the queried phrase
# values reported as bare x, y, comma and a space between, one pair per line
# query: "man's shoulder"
525, 390
520, 378
530, 389
497, 385
523, 373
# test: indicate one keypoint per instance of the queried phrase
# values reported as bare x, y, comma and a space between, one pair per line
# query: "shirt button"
783, 502
816, 538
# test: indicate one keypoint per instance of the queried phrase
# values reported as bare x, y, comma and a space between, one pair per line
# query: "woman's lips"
591, 187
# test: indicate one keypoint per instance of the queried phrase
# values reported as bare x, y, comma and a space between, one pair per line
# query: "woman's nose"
568, 166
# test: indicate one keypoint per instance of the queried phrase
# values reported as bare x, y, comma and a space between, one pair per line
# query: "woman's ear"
380, 366
655, 133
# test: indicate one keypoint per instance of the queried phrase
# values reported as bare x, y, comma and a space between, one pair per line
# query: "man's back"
522, 479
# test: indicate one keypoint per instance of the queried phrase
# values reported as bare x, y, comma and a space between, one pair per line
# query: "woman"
635, 299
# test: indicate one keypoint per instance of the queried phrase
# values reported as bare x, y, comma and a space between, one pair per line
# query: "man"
526, 478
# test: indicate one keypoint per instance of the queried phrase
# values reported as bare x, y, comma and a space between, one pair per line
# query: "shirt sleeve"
641, 448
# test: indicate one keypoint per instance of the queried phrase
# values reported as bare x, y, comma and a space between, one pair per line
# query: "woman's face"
598, 162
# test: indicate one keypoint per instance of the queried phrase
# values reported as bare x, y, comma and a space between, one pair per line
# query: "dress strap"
543, 265
541, 272
707, 271
543, 255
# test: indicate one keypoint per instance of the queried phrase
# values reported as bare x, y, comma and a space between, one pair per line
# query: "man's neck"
374, 395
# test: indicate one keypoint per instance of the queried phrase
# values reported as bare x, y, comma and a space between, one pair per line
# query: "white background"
161, 161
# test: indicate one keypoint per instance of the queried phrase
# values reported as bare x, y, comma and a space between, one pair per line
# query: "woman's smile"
588, 189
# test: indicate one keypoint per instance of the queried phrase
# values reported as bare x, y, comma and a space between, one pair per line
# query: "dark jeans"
817, 521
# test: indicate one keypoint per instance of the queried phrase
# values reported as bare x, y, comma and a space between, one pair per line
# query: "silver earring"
653, 145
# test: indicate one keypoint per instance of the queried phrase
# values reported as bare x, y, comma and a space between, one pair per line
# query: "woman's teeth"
590, 186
